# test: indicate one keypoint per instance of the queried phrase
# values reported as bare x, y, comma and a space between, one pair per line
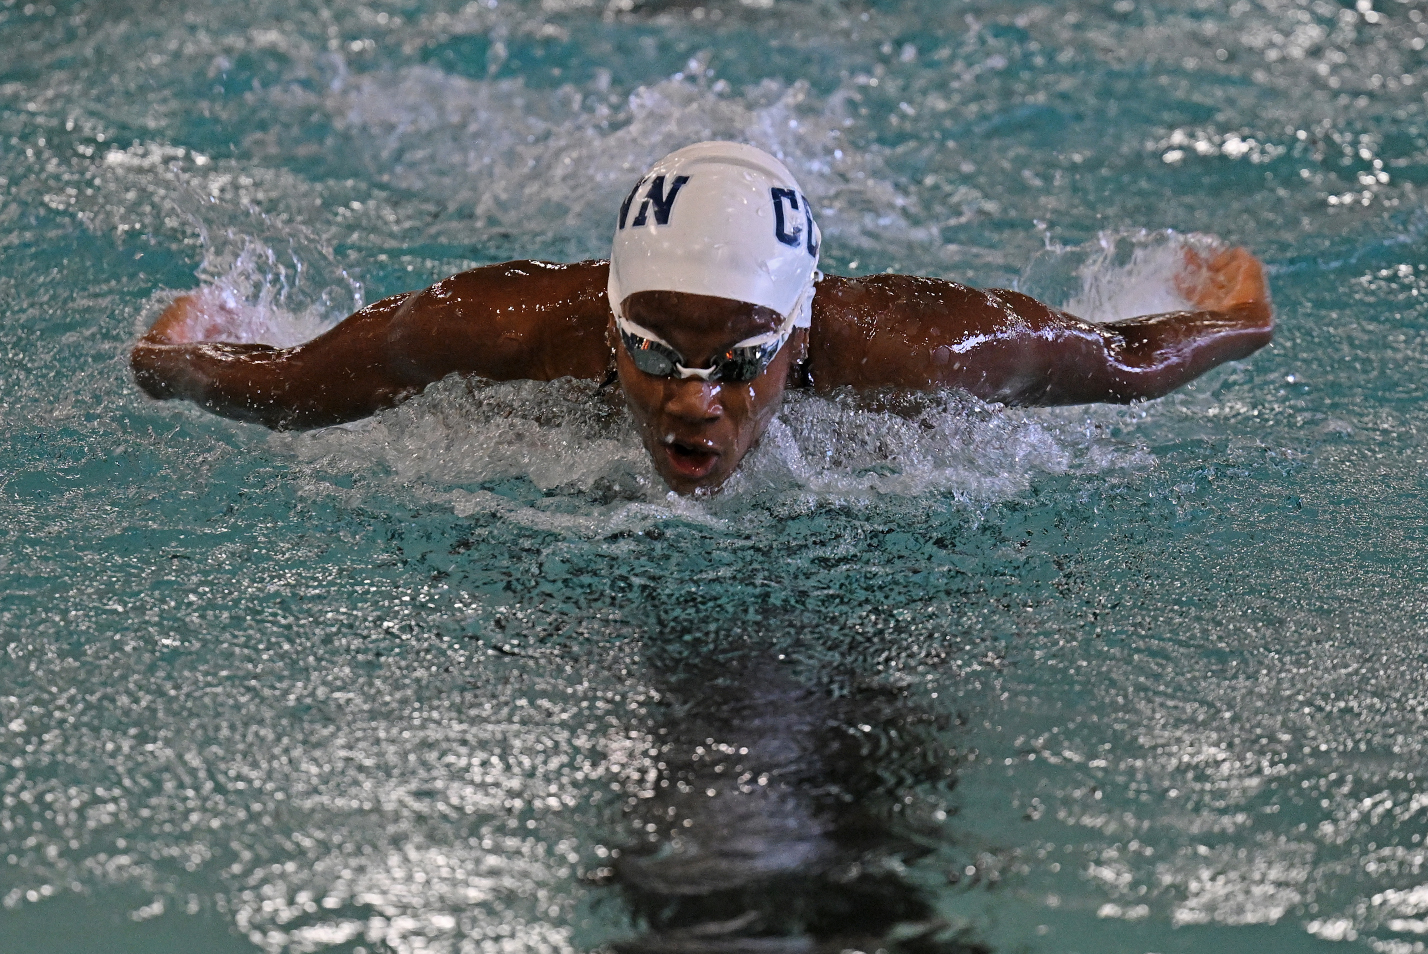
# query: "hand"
1222, 281
191, 318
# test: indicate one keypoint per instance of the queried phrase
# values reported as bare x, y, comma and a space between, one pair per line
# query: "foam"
589, 476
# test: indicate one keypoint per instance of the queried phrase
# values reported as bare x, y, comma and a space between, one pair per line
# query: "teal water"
932, 675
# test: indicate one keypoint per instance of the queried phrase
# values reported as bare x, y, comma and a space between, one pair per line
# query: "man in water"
710, 307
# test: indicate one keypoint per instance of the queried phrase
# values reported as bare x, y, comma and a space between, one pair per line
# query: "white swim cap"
721, 219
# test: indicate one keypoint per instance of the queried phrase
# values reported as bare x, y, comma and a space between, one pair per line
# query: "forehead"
682, 317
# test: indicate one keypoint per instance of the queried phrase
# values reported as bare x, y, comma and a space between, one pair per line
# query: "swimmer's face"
697, 431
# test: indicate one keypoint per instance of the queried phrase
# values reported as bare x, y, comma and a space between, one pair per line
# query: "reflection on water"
783, 816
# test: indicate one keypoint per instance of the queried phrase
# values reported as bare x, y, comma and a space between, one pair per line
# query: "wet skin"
542, 321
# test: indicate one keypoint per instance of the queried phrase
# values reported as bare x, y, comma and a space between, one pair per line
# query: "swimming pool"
931, 675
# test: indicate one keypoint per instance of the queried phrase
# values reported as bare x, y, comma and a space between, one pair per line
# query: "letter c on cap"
780, 224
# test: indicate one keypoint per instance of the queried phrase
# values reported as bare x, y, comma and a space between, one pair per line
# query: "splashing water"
931, 674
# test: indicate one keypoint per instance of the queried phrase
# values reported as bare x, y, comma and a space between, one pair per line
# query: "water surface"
931, 675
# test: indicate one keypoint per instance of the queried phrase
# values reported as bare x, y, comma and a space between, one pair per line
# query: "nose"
692, 400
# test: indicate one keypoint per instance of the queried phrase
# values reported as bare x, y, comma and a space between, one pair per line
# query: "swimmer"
710, 307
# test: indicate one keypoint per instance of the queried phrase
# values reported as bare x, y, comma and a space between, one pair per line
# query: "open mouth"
690, 460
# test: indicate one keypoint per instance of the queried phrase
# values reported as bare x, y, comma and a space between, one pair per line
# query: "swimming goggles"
740, 364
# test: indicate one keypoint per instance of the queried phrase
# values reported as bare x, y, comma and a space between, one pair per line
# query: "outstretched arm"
502, 322
899, 331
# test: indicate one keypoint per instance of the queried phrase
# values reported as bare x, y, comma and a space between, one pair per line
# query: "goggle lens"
649, 356
743, 364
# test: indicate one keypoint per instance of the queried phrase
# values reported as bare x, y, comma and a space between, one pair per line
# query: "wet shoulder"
872, 331
519, 319
883, 301
529, 288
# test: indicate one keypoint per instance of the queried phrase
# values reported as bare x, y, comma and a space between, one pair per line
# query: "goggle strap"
758, 341
630, 328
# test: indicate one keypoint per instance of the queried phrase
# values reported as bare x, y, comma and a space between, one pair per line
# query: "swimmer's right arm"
907, 332
501, 322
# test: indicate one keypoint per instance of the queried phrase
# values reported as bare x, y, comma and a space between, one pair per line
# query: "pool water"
931, 675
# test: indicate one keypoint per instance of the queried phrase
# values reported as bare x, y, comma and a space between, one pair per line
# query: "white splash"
248, 301
1118, 275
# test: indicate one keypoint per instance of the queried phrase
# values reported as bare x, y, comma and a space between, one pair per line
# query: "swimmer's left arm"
900, 331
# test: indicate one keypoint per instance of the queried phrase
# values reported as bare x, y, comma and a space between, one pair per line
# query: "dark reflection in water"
778, 818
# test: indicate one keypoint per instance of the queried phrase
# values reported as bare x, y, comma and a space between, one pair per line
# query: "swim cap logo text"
781, 232
656, 198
